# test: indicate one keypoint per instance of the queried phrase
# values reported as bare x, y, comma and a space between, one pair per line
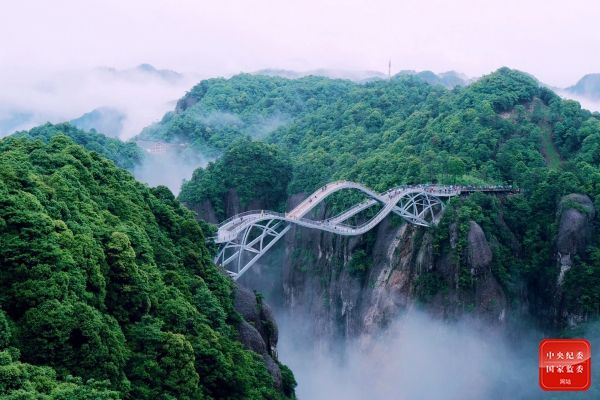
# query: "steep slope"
105, 279
124, 154
106, 120
496, 130
249, 176
588, 86
216, 112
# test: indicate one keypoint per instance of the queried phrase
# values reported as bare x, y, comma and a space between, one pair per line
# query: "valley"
476, 217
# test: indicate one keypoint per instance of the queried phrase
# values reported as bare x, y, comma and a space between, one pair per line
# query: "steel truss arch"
245, 237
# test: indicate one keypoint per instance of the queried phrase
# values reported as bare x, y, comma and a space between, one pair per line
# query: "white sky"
557, 41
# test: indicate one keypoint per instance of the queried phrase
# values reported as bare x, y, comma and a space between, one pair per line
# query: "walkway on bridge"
245, 237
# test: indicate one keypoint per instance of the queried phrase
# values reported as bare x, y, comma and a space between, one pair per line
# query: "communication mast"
390, 70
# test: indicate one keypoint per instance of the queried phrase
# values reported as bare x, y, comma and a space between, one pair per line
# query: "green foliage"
428, 285
288, 382
125, 154
359, 263
217, 112
105, 279
5, 330
19, 381
502, 129
582, 286
255, 170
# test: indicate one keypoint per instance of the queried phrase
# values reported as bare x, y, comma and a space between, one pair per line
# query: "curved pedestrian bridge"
245, 237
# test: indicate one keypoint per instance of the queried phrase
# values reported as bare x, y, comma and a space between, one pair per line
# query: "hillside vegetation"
502, 129
124, 154
107, 290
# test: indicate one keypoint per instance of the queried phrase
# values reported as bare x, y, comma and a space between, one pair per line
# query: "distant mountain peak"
145, 69
106, 120
587, 86
353, 75
448, 79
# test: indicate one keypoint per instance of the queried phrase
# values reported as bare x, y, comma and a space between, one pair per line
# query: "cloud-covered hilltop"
447, 79
117, 102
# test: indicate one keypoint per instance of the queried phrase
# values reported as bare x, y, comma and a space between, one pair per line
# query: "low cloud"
417, 357
143, 96
170, 168
586, 102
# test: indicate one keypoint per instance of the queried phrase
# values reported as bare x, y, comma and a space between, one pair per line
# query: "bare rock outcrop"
204, 211
479, 253
490, 299
258, 330
318, 282
575, 213
232, 204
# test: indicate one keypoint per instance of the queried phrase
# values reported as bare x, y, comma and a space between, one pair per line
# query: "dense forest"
259, 172
107, 289
218, 111
505, 128
124, 154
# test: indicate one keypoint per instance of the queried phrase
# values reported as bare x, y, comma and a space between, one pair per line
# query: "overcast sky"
557, 41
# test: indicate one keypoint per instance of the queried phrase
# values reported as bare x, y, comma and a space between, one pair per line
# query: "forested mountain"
124, 154
588, 86
502, 129
259, 173
142, 71
449, 79
218, 111
107, 289
106, 120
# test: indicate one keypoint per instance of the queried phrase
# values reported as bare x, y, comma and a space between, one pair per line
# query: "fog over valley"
316, 200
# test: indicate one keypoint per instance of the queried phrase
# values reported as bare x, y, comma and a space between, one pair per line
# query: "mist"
170, 169
586, 102
417, 357
142, 96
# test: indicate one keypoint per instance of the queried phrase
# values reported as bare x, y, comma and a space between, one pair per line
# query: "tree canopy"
505, 128
107, 289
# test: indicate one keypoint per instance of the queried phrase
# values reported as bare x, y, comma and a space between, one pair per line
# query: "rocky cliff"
258, 329
575, 214
402, 272
351, 286
575, 217
232, 205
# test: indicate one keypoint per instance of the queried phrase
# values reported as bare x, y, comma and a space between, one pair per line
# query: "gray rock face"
273, 368
251, 339
204, 211
478, 250
488, 297
258, 330
232, 203
576, 212
575, 228
317, 281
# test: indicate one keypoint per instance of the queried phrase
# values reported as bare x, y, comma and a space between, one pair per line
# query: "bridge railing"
435, 190
240, 215
322, 189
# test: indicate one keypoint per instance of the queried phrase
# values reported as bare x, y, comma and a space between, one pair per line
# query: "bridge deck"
233, 226
245, 237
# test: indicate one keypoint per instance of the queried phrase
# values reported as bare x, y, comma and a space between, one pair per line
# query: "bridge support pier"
238, 255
